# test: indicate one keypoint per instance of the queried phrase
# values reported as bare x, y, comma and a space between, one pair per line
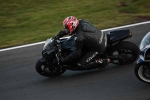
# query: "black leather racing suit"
89, 40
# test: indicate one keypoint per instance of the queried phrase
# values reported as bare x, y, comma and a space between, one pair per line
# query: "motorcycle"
142, 68
119, 52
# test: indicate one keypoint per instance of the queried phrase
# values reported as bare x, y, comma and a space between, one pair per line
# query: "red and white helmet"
70, 23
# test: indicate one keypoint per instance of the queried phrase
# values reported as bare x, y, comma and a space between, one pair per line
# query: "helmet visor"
65, 26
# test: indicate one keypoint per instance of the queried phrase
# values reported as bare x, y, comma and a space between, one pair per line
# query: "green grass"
28, 21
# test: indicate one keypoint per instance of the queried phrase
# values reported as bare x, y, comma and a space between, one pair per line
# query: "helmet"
70, 23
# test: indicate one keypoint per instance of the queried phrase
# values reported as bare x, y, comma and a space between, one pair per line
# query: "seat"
118, 35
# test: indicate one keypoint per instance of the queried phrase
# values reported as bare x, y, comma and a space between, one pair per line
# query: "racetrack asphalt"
20, 81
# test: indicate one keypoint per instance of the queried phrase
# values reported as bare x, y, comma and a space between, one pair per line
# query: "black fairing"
48, 55
68, 45
147, 54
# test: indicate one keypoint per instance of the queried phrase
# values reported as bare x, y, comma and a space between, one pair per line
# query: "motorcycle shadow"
110, 70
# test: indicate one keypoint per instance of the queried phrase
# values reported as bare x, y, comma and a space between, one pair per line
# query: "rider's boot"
102, 62
99, 63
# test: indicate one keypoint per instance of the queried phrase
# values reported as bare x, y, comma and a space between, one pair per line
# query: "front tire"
142, 72
44, 70
127, 50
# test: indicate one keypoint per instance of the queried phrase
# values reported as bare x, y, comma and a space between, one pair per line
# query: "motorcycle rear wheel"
44, 70
142, 73
128, 50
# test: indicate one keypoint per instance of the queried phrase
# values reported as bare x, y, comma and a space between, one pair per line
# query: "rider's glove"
62, 33
55, 40
55, 37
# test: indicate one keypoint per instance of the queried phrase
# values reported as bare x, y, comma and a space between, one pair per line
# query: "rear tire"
45, 70
128, 50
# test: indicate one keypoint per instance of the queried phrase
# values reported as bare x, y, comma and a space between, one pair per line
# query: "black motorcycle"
118, 51
142, 68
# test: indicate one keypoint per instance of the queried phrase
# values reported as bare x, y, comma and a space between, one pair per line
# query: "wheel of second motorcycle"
142, 73
45, 71
128, 50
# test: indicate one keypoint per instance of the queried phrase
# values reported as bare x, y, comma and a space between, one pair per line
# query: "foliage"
27, 21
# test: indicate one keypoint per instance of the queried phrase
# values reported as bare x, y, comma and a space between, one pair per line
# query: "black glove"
62, 33
55, 37
55, 40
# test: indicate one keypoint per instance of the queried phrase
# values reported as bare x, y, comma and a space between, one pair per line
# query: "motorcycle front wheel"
142, 72
45, 70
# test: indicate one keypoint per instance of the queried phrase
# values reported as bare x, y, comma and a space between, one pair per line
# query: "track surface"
19, 80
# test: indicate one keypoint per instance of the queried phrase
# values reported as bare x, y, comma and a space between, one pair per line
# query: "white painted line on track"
148, 22
33, 44
22, 46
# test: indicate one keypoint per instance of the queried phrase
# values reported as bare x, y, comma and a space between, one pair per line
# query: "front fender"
42, 60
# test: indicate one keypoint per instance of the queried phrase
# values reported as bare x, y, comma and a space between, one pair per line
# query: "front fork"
58, 58
58, 52
146, 63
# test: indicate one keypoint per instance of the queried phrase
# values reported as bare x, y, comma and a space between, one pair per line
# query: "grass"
28, 21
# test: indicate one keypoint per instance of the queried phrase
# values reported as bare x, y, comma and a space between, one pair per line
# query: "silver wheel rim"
140, 73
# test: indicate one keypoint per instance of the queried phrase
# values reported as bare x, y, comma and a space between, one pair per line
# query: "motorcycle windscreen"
145, 41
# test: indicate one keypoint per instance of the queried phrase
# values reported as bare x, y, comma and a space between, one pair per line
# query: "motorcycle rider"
89, 43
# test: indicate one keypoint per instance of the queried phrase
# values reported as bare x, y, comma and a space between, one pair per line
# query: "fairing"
145, 41
67, 46
69, 43
145, 49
